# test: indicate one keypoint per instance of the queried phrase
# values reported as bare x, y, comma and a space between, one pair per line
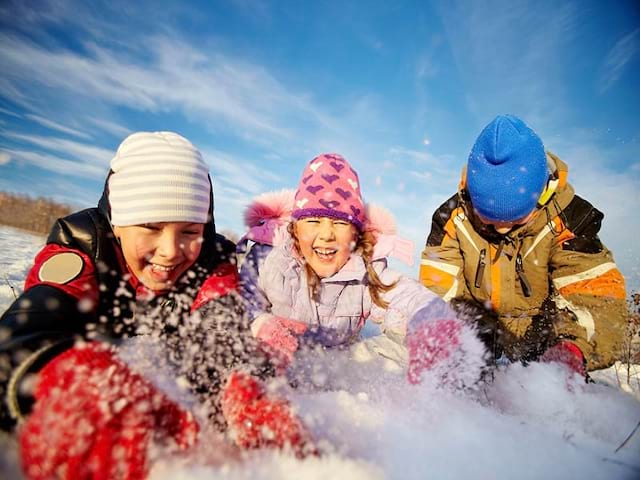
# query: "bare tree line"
32, 214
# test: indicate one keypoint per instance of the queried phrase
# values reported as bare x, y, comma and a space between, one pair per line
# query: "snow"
525, 423
18, 251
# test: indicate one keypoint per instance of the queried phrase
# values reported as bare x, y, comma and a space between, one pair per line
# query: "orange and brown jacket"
555, 259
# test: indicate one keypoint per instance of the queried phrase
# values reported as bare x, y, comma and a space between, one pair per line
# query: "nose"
169, 245
326, 229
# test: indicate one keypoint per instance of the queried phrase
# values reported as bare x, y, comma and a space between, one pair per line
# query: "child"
147, 261
520, 243
318, 271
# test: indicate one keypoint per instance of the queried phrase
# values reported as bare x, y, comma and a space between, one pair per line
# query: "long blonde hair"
364, 247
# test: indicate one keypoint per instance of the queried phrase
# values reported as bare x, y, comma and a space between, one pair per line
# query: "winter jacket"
548, 280
90, 294
274, 282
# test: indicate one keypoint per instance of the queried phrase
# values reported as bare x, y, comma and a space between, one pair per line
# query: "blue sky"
401, 89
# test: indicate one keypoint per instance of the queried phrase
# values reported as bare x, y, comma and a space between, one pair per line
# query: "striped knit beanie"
507, 170
158, 177
330, 188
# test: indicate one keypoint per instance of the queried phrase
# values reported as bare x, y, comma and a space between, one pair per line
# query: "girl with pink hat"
318, 272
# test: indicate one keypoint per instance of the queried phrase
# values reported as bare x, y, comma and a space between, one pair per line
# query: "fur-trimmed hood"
269, 215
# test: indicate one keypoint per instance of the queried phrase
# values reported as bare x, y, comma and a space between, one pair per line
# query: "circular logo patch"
61, 268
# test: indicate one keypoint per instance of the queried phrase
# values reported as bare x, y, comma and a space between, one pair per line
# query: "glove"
448, 348
430, 344
568, 354
279, 335
256, 420
94, 419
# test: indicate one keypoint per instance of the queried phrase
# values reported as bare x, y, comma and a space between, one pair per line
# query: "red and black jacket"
99, 299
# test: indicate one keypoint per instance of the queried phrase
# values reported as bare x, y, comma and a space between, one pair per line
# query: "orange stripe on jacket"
449, 227
562, 233
495, 278
434, 277
609, 284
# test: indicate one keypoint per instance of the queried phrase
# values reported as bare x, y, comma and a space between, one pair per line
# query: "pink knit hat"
330, 188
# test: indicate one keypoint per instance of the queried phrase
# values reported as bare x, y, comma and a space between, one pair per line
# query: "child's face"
159, 253
325, 243
505, 227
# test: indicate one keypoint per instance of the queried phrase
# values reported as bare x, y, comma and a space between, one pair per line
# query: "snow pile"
532, 422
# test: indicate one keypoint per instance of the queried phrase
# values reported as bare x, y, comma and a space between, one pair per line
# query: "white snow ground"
529, 423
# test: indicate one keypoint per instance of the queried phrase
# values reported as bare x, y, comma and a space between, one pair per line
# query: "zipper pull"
480, 268
526, 286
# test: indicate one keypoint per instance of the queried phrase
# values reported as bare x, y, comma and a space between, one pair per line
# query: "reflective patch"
61, 268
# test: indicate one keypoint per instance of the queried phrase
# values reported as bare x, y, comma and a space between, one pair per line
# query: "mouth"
162, 268
163, 274
325, 253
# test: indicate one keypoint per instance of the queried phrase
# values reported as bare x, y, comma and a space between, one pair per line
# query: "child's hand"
280, 336
94, 418
257, 420
430, 344
444, 348
568, 354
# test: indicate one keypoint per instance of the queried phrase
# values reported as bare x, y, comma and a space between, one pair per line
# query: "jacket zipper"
480, 269
526, 286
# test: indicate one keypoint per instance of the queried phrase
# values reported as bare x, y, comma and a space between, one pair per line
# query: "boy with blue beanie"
517, 246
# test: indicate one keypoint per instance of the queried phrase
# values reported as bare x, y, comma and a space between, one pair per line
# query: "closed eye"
151, 226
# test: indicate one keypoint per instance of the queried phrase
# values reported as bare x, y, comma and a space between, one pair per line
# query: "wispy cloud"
511, 55
59, 165
4, 157
212, 88
240, 174
89, 154
110, 127
56, 126
10, 112
617, 59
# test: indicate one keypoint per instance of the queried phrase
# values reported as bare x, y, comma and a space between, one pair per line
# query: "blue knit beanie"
507, 170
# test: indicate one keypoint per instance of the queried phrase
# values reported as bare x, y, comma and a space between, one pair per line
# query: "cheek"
305, 241
135, 250
192, 248
347, 242
144, 249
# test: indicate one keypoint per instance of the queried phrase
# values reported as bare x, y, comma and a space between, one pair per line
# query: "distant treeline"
33, 214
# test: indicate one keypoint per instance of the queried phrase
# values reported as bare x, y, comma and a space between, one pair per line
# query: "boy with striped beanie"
146, 261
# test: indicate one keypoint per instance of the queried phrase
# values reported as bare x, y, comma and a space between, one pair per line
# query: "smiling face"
159, 253
325, 243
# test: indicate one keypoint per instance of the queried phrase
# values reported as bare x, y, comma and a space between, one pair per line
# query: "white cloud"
56, 126
110, 127
511, 55
211, 88
240, 174
59, 165
618, 57
87, 154
10, 112
4, 157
